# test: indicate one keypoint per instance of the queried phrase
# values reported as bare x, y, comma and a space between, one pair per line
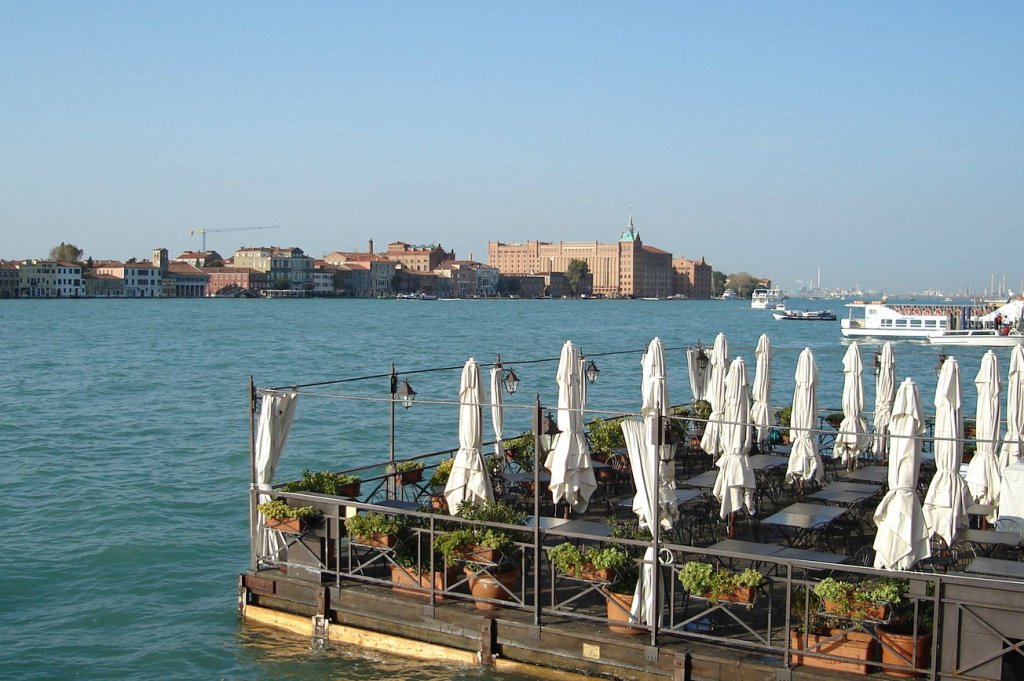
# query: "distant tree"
66, 253
282, 283
575, 272
718, 280
744, 283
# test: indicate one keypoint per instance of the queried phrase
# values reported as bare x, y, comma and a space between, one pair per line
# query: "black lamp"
667, 450
511, 382
878, 361
402, 391
591, 371
942, 360
548, 430
702, 357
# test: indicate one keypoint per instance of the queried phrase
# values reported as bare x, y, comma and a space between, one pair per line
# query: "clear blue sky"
879, 141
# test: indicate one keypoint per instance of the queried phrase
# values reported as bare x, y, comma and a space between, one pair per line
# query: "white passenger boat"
916, 320
766, 298
1003, 337
881, 320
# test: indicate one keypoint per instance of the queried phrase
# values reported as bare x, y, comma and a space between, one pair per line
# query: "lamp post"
509, 378
401, 392
544, 430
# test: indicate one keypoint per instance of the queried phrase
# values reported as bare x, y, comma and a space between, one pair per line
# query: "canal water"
124, 430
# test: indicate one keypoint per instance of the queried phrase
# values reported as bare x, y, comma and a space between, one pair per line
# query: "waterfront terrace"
387, 564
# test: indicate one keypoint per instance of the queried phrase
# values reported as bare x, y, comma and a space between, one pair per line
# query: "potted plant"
719, 584
605, 435
519, 450
591, 563
490, 554
815, 632
407, 472
835, 419
375, 529
783, 418
906, 640
619, 601
325, 482
868, 600
411, 568
284, 518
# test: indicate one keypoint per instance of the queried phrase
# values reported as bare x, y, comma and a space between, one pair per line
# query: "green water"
124, 432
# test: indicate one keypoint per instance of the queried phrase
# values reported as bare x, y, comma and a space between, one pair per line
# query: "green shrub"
441, 473
605, 435
278, 509
369, 524
321, 482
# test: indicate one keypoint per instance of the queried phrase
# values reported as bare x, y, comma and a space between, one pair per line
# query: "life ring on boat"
916, 311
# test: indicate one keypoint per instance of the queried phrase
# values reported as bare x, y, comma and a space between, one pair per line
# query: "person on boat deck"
998, 320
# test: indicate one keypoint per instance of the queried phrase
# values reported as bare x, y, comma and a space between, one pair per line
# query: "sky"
878, 142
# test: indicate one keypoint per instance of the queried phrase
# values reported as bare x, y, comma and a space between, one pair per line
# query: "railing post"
538, 417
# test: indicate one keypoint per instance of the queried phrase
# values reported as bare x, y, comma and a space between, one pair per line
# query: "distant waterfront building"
9, 283
200, 258
49, 279
103, 285
417, 258
225, 280
280, 264
625, 268
692, 278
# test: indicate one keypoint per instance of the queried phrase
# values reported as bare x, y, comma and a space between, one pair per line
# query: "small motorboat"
805, 315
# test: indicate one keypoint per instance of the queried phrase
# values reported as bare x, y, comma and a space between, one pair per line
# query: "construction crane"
226, 229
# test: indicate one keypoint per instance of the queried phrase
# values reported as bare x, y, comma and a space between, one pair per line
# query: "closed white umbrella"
1012, 449
983, 470
572, 474
804, 459
945, 505
761, 413
711, 440
902, 537
885, 393
655, 401
853, 431
468, 480
735, 484
275, 422
698, 376
497, 410
642, 462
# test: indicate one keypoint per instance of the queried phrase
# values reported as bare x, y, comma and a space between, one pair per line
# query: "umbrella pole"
732, 525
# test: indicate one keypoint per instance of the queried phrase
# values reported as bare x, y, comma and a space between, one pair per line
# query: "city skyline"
877, 143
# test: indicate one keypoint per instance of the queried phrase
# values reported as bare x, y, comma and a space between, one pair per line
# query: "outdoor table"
705, 480
843, 497
572, 526
760, 462
816, 556
400, 504
997, 567
756, 551
876, 474
684, 496
802, 518
986, 541
867, 488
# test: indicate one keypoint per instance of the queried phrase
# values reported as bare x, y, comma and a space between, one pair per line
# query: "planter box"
859, 648
588, 572
402, 576
744, 595
479, 554
379, 540
410, 477
873, 612
350, 491
289, 525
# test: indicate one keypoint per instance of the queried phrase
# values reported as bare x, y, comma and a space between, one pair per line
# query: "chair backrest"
618, 461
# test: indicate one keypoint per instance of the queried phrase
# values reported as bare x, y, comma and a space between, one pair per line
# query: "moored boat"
1002, 337
804, 315
766, 298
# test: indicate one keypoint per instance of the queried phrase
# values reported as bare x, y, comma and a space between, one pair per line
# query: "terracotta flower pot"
742, 594
619, 606
497, 586
410, 477
379, 540
589, 572
901, 649
857, 647
402, 576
